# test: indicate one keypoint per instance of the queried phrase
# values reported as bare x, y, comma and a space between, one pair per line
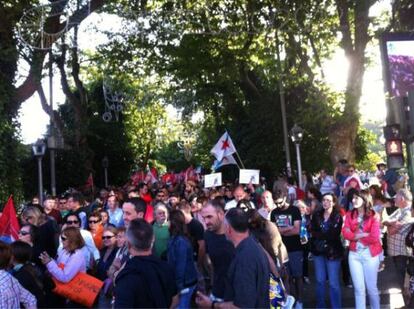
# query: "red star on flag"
225, 144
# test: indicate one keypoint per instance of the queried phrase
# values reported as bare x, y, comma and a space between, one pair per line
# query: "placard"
212, 180
249, 176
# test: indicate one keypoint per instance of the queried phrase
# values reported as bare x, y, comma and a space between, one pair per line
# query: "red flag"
89, 181
9, 225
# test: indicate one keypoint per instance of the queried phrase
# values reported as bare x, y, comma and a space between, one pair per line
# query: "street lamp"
296, 134
39, 149
105, 164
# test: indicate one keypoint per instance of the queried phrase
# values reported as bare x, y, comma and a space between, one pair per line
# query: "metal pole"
106, 176
299, 165
283, 110
40, 179
52, 128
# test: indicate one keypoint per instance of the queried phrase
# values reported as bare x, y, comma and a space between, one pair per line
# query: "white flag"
226, 161
224, 147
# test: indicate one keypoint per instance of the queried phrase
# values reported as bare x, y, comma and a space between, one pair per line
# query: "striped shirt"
12, 293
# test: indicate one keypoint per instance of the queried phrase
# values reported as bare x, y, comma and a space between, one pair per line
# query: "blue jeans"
185, 297
324, 267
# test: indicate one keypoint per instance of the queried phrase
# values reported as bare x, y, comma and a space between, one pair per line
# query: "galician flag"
224, 147
9, 225
226, 161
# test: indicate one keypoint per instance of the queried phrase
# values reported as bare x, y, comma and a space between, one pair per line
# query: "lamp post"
105, 164
39, 149
296, 134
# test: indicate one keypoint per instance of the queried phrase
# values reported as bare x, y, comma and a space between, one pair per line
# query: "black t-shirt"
248, 276
221, 253
287, 217
196, 231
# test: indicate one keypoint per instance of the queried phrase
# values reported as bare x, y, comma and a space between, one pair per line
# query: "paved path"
391, 296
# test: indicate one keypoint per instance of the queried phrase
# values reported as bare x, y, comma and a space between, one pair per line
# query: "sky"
372, 104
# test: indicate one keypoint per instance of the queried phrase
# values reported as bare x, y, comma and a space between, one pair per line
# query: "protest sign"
212, 180
82, 289
249, 176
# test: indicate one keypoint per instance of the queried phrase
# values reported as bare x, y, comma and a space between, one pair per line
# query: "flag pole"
241, 162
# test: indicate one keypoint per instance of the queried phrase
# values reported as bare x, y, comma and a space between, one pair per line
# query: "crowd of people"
179, 245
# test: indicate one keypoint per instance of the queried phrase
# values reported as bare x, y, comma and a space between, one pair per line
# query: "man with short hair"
146, 281
398, 225
218, 248
115, 213
133, 208
239, 194
49, 207
327, 183
288, 220
75, 206
248, 274
268, 204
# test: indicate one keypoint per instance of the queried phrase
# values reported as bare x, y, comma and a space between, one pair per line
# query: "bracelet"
213, 303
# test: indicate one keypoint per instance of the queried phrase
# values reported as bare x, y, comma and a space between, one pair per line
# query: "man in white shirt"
327, 183
239, 194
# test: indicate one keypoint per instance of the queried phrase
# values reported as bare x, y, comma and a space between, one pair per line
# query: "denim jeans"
324, 267
364, 273
185, 297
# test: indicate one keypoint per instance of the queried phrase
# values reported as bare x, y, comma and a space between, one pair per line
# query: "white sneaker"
289, 302
298, 305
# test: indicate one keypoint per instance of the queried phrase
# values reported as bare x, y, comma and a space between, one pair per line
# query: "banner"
212, 180
249, 176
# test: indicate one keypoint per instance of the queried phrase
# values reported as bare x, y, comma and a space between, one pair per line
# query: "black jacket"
330, 235
145, 282
27, 277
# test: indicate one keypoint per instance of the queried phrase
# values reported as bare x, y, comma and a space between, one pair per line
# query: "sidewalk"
391, 296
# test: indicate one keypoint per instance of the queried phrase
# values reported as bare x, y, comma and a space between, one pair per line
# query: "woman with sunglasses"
70, 256
108, 252
362, 229
96, 228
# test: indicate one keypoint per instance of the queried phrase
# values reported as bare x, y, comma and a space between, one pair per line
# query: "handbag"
82, 289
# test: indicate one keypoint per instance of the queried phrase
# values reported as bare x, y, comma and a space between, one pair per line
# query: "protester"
12, 293
239, 194
49, 208
115, 213
108, 252
96, 228
248, 288
47, 231
362, 229
160, 227
218, 248
104, 217
288, 221
398, 225
75, 205
267, 205
70, 255
327, 250
133, 208
25, 272
27, 234
180, 257
327, 183
145, 281
196, 233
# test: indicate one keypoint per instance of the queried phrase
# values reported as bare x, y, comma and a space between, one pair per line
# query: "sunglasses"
24, 233
107, 237
63, 238
72, 222
94, 221
28, 218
